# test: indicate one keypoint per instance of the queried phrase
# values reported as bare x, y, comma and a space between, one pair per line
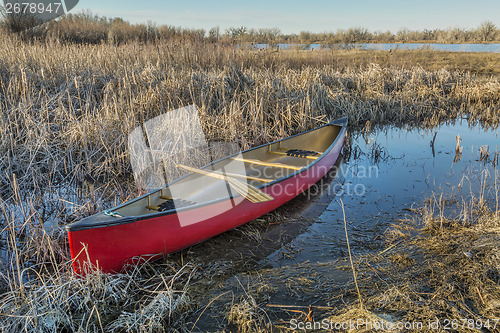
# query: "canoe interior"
195, 189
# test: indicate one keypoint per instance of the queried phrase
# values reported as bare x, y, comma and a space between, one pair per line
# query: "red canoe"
198, 206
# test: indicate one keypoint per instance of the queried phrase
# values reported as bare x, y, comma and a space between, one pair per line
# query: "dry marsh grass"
67, 109
65, 114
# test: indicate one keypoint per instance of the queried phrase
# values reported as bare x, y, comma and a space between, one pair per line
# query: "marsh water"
396, 170
387, 174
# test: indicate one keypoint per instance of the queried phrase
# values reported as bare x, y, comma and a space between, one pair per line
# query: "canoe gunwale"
77, 226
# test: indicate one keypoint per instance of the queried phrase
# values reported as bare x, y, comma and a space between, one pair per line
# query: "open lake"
492, 47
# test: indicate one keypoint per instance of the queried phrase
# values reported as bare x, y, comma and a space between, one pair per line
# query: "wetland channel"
302, 260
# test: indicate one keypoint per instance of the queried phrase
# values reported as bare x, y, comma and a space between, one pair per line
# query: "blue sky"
306, 15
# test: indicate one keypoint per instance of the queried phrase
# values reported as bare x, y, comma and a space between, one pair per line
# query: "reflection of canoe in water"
206, 202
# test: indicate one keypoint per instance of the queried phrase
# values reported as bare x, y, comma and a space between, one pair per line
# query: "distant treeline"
88, 28
486, 32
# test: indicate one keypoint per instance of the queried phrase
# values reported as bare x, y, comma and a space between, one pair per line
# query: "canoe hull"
114, 248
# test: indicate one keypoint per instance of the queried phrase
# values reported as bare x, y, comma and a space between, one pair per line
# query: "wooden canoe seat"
169, 204
223, 175
309, 154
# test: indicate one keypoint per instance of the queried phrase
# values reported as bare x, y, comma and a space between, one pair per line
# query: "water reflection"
386, 174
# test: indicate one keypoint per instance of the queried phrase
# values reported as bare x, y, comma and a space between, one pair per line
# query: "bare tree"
214, 34
236, 34
487, 31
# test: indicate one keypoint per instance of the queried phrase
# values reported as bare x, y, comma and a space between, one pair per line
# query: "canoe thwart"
250, 192
235, 175
270, 164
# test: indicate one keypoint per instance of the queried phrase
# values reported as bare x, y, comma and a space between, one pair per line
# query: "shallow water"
378, 189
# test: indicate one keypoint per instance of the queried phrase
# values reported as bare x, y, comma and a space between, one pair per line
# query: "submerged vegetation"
66, 111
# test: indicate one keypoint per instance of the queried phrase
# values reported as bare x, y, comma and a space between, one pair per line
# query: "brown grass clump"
355, 319
444, 269
248, 316
129, 302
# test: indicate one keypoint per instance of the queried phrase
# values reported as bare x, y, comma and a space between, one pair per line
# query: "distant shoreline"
384, 47
386, 42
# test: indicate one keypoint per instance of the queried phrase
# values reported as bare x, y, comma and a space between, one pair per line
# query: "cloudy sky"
306, 15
